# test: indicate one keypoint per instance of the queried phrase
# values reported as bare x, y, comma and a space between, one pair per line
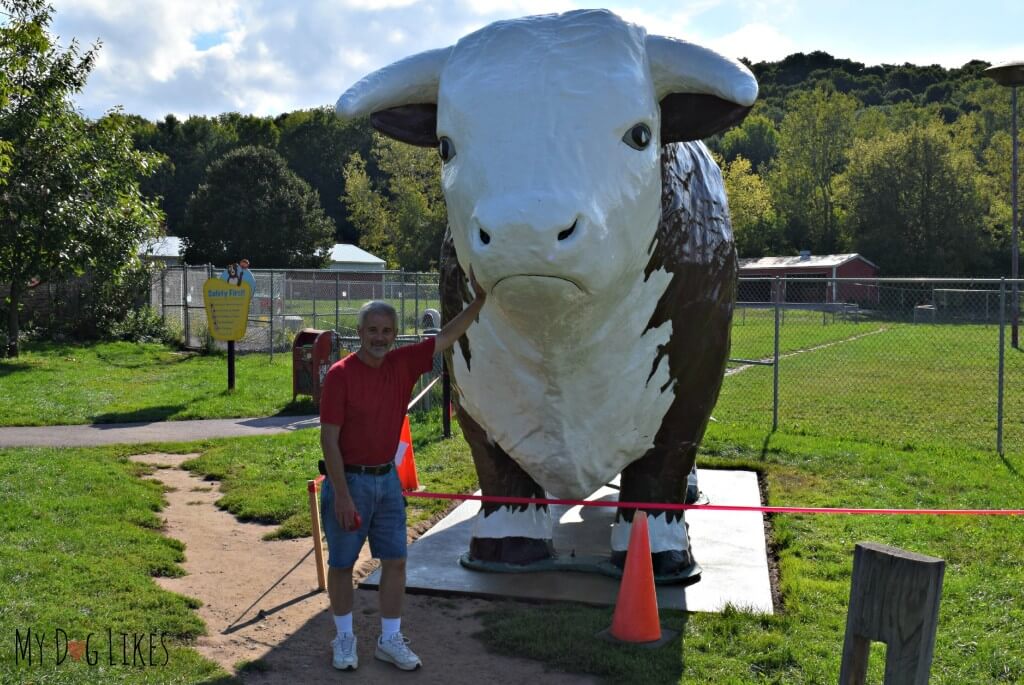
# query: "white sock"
389, 626
343, 623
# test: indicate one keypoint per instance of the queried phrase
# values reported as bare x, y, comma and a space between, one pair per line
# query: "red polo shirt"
370, 403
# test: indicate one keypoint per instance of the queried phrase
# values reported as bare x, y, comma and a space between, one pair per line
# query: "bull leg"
659, 476
512, 534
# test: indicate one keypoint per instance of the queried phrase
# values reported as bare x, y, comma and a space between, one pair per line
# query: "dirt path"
260, 603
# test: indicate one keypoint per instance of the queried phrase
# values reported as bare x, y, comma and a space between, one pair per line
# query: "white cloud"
517, 8
756, 42
376, 5
357, 59
676, 25
778, 10
275, 56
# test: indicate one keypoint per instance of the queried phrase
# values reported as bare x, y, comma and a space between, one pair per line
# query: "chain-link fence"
907, 361
286, 301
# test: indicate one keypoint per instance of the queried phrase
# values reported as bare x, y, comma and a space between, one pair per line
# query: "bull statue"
578, 193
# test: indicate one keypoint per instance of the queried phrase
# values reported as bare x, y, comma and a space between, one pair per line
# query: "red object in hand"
357, 523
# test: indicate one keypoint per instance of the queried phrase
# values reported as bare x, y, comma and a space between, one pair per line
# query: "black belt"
379, 470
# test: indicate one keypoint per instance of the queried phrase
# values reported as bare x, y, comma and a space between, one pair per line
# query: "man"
362, 407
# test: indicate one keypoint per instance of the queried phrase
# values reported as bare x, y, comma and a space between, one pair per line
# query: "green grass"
901, 385
52, 384
753, 331
981, 613
903, 417
342, 316
80, 542
84, 559
261, 476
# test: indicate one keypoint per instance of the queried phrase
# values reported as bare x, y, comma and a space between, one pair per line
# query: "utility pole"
1011, 74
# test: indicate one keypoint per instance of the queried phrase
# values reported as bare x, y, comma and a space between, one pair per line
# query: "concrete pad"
730, 546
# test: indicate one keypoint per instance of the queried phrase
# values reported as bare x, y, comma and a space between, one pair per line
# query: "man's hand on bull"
454, 329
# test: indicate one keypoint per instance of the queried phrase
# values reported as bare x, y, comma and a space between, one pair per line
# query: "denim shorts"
381, 507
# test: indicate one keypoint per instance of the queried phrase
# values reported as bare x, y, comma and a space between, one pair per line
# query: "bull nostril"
485, 237
567, 232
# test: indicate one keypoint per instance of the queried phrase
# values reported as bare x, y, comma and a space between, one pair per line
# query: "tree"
248, 129
914, 205
996, 183
190, 147
72, 202
755, 139
751, 210
316, 144
252, 205
814, 140
401, 219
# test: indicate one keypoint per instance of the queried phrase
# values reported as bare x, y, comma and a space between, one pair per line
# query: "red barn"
808, 279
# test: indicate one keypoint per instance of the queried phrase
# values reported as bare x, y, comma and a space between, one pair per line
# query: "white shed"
345, 257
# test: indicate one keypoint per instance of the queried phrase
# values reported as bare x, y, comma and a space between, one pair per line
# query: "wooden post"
231, 364
894, 598
313, 486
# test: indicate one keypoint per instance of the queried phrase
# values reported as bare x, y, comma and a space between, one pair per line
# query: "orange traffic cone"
636, 609
405, 462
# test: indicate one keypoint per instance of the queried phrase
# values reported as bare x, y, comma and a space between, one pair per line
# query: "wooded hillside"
908, 165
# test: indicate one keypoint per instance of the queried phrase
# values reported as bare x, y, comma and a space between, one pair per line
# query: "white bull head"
550, 129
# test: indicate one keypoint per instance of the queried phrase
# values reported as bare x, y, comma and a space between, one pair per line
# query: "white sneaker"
396, 650
345, 657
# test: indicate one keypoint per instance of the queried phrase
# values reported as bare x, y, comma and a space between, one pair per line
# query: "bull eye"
445, 149
638, 137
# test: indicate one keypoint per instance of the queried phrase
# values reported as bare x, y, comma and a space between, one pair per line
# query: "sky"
266, 57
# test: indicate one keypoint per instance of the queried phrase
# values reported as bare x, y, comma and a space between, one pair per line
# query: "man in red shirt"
362, 406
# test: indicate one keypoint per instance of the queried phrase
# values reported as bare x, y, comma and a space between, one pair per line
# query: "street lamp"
1012, 74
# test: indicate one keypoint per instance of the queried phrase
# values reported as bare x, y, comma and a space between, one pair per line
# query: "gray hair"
377, 307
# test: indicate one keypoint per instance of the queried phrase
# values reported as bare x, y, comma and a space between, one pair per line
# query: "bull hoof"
673, 563
511, 550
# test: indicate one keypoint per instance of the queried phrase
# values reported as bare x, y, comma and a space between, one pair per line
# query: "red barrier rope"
715, 507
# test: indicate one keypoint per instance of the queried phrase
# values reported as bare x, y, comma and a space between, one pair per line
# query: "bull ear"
701, 91
690, 116
400, 98
413, 124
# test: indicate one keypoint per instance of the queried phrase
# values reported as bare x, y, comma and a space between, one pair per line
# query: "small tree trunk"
12, 321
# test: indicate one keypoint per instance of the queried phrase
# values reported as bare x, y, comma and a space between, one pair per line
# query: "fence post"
894, 598
271, 315
337, 298
314, 300
184, 305
163, 295
446, 399
209, 337
1002, 367
775, 359
402, 296
416, 314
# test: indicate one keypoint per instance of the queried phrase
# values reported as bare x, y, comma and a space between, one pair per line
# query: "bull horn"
681, 67
413, 80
